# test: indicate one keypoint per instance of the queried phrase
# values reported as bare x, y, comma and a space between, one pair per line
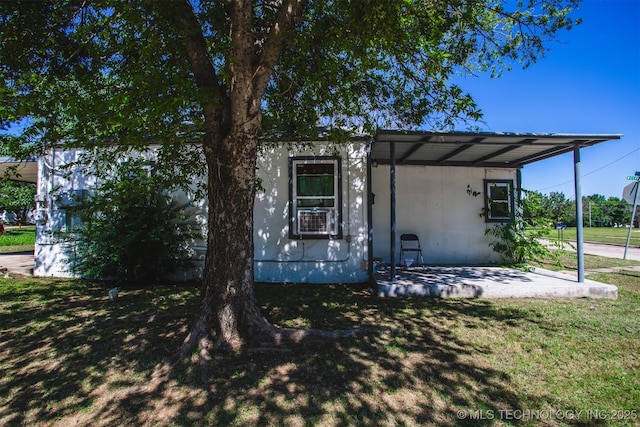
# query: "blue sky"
588, 83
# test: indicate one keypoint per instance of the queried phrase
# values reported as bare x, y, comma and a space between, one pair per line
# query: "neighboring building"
328, 211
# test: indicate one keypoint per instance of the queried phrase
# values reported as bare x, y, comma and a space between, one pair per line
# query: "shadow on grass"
61, 340
71, 357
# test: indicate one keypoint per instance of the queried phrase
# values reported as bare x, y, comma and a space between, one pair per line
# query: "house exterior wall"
55, 188
281, 258
433, 202
278, 256
59, 182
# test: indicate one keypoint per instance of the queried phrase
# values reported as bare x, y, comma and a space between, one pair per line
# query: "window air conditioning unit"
316, 221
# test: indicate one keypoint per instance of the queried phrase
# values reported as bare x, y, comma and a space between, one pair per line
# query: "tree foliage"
95, 73
598, 211
519, 241
17, 197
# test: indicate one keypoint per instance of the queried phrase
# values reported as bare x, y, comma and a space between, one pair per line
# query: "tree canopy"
94, 73
598, 211
17, 197
97, 71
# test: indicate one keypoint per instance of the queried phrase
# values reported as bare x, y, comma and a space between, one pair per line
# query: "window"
67, 204
498, 200
315, 205
134, 169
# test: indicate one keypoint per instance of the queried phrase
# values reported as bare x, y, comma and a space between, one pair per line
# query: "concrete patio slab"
488, 282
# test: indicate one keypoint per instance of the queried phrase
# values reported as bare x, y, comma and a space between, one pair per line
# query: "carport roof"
426, 148
25, 171
476, 149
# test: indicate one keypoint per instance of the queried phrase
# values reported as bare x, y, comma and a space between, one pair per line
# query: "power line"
609, 164
556, 185
593, 171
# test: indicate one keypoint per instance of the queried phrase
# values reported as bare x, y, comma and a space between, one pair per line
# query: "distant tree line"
598, 211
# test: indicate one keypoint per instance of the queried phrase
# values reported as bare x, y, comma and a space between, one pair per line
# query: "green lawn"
17, 239
616, 236
70, 357
569, 261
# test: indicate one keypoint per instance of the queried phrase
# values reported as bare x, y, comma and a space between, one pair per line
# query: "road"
21, 263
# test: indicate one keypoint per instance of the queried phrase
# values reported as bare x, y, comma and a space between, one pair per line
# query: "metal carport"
479, 149
15, 170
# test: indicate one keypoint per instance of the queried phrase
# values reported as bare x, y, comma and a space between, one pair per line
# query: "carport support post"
579, 219
392, 182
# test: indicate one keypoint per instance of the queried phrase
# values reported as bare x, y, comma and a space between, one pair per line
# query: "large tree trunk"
229, 314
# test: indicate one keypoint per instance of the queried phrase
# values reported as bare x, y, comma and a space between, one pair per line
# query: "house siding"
278, 258
281, 258
433, 202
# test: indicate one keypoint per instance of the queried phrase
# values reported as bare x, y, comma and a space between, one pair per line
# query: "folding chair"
410, 250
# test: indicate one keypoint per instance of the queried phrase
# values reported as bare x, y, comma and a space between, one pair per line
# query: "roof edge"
392, 132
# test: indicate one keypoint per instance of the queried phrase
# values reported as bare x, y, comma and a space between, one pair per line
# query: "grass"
609, 235
17, 239
69, 356
569, 262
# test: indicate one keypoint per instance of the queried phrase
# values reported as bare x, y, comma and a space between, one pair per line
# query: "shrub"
519, 242
131, 229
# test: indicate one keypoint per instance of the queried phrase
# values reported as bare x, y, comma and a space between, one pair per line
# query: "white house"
326, 211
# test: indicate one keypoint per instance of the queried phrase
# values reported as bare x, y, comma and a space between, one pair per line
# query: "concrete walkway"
17, 263
607, 251
588, 271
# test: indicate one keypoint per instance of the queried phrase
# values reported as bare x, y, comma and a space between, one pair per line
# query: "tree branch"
181, 17
265, 65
